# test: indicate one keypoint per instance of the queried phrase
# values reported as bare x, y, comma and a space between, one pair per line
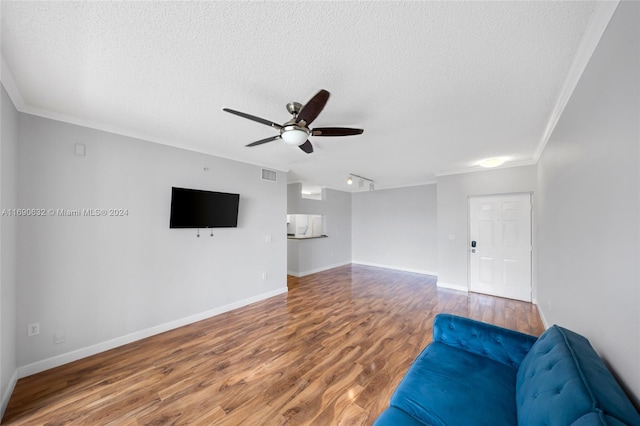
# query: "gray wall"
396, 228
8, 247
104, 281
453, 195
308, 256
589, 204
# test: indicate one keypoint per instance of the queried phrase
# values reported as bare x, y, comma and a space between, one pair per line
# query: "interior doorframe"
532, 239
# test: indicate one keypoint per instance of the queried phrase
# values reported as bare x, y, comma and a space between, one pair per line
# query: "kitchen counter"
292, 237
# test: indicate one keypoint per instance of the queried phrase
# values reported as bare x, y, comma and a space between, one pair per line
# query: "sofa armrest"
500, 344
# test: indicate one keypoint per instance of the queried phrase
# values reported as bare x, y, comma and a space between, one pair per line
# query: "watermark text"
65, 212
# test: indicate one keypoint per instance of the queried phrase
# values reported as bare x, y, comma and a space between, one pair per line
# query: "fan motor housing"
294, 108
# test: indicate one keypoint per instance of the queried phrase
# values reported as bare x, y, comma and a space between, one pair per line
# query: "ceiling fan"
296, 131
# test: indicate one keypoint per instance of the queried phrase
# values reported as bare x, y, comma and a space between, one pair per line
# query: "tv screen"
193, 208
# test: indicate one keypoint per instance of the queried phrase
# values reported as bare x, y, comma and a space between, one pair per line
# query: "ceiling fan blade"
312, 109
253, 118
307, 147
335, 131
261, 141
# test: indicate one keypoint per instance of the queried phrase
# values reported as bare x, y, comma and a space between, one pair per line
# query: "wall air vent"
269, 175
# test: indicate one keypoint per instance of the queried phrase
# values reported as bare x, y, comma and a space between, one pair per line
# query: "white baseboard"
314, 271
7, 392
453, 286
58, 360
397, 268
544, 320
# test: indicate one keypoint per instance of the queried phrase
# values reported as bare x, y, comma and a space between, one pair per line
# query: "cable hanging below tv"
195, 208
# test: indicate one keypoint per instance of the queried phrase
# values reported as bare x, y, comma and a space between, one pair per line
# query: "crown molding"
138, 135
474, 169
593, 33
382, 188
9, 83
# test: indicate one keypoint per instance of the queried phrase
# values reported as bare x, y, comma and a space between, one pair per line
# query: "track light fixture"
361, 181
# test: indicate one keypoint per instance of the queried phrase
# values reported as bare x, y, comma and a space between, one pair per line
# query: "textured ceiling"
437, 86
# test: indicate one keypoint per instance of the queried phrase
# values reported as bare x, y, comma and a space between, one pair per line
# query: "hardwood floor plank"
330, 351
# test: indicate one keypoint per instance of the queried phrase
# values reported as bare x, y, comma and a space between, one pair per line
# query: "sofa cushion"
448, 386
562, 380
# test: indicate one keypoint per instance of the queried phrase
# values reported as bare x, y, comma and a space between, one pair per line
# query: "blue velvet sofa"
475, 373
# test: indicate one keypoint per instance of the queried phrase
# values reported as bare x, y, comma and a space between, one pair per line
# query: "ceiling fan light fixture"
492, 162
349, 180
294, 135
296, 131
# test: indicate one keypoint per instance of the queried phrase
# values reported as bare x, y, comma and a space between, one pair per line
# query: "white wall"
453, 195
588, 204
308, 256
8, 247
104, 281
396, 228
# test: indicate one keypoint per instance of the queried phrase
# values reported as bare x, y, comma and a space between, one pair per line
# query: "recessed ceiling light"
492, 162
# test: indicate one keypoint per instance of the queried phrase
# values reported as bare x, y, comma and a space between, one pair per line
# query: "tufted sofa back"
563, 381
482, 339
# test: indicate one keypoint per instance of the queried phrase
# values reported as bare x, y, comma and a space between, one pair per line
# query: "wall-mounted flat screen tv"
194, 208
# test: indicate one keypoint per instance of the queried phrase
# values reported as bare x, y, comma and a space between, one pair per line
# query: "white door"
500, 245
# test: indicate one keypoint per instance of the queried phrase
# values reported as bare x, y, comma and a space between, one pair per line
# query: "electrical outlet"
33, 329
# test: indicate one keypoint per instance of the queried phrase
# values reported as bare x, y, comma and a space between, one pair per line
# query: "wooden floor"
329, 352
